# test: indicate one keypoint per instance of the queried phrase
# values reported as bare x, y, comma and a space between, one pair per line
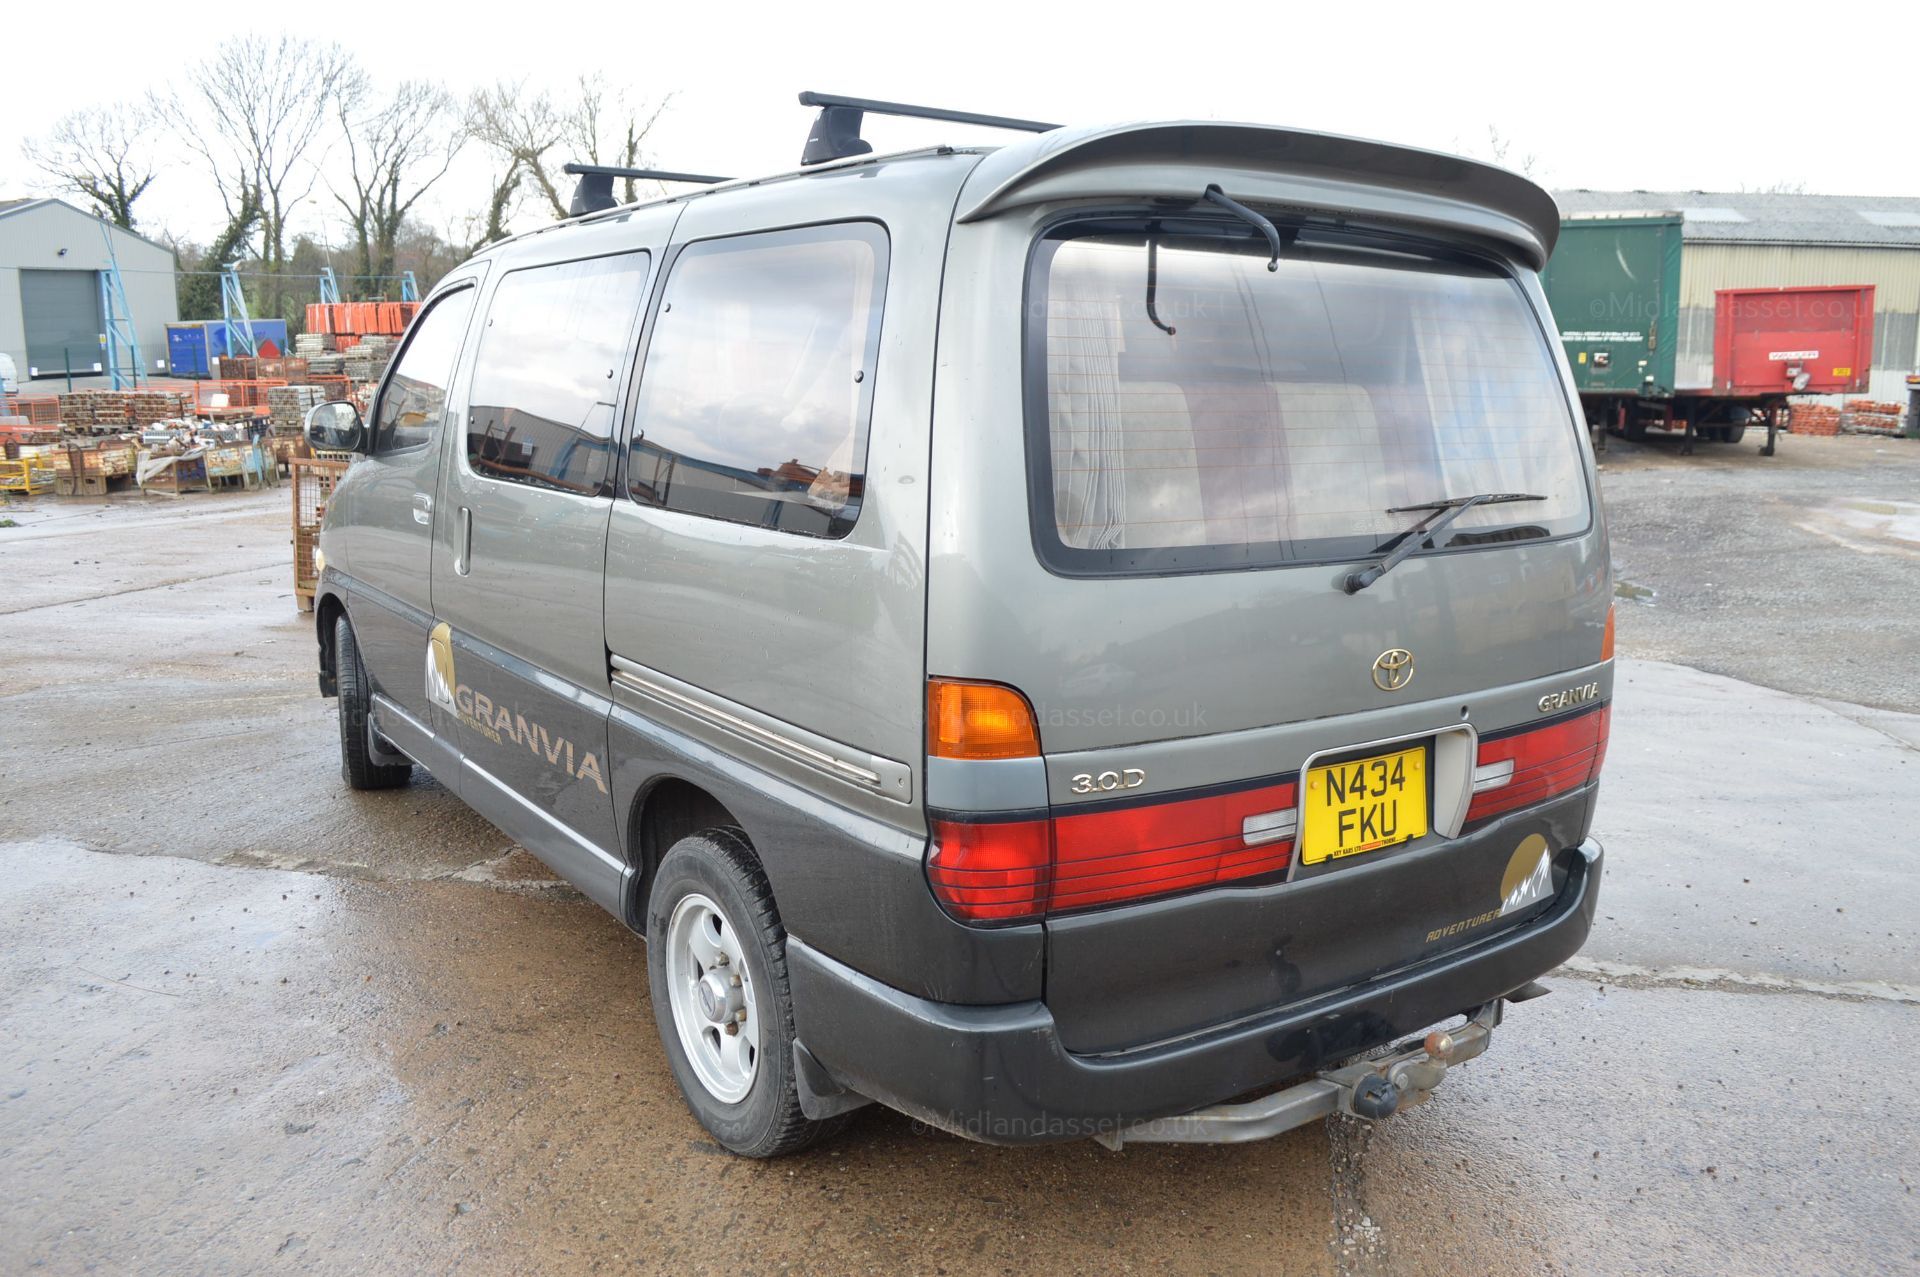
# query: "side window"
549, 364
415, 396
759, 380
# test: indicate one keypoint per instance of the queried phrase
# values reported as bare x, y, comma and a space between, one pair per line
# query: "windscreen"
1202, 411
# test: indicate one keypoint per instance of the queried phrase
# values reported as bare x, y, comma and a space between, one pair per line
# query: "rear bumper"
999, 1074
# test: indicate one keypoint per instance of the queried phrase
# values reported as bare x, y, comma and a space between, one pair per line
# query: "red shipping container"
1812, 341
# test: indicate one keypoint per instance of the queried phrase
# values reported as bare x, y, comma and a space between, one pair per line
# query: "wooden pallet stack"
148, 406
367, 360
289, 369
287, 406
95, 409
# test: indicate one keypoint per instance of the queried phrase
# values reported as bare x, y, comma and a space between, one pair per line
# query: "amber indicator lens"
979, 720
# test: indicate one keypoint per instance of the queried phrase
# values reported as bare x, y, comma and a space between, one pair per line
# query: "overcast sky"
1616, 96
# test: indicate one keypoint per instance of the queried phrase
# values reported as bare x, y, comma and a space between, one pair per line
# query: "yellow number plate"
1364, 805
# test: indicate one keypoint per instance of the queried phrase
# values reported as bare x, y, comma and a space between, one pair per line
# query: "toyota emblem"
1393, 669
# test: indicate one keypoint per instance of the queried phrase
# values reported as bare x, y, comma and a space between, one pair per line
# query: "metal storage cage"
314, 480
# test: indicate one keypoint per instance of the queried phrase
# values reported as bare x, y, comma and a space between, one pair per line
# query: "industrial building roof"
9, 207
1768, 217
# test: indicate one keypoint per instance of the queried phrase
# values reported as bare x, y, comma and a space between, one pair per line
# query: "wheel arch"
327, 609
667, 809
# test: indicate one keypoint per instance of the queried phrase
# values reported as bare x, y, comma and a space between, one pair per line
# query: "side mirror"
335, 427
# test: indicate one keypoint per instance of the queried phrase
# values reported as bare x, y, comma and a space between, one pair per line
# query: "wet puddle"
1894, 524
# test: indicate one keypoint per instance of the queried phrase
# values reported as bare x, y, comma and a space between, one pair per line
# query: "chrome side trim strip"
883, 776
385, 706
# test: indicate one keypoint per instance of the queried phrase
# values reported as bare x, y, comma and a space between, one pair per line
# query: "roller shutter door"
62, 313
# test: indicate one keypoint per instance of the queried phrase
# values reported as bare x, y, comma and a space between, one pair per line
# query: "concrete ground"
250, 1021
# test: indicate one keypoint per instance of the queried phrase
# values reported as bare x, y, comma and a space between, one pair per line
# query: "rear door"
521, 553
1261, 784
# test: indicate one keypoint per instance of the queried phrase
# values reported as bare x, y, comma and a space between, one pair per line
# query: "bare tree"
259, 108
536, 136
101, 153
397, 149
522, 128
1500, 150
493, 227
606, 128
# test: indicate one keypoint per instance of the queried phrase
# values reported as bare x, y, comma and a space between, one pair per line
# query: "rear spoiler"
1319, 173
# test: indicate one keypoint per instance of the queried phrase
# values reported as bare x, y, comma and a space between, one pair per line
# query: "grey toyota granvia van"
1106, 637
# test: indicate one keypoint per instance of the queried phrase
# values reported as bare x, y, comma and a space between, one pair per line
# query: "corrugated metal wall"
1894, 273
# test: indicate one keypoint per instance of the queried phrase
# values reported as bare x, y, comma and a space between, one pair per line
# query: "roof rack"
836, 132
594, 191
835, 136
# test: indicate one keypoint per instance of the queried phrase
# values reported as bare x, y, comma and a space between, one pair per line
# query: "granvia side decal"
500, 723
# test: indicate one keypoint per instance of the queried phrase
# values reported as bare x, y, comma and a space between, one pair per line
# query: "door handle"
423, 507
463, 543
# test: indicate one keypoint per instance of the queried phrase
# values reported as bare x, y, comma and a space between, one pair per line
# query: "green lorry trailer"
1614, 284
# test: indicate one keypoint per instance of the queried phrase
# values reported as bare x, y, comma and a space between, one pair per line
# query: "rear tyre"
358, 766
717, 957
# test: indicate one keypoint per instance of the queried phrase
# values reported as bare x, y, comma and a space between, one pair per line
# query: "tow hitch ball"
1377, 1089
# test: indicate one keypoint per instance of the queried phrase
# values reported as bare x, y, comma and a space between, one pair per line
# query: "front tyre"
717, 966
358, 766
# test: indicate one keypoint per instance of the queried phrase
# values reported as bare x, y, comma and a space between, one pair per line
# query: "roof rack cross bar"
593, 193
836, 133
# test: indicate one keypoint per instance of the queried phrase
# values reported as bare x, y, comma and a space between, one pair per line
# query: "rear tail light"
1606, 639
1531, 767
1021, 870
992, 871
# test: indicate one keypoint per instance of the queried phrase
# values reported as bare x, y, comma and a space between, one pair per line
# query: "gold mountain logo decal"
440, 679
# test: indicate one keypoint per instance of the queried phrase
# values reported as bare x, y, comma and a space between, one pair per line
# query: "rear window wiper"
1441, 515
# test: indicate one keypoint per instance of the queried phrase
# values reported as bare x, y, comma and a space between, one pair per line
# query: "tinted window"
415, 395
548, 368
754, 401
1253, 417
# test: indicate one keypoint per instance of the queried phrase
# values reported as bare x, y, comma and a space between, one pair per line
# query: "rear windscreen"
1200, 411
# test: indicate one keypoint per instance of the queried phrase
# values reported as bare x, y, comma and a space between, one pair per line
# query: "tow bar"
1369, 1089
